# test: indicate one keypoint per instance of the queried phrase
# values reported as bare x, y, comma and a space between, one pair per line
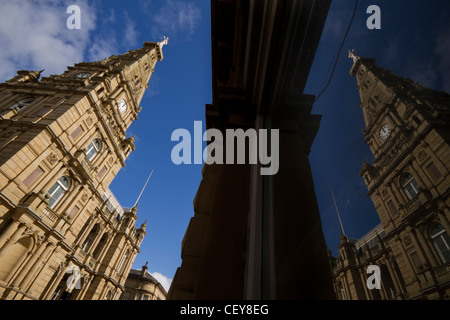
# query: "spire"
137, 201
351, 55
145, 268
143, 226
339, 216
163, 42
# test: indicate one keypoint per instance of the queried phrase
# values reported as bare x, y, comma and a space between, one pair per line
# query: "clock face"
83, 75
385, 131
122, 106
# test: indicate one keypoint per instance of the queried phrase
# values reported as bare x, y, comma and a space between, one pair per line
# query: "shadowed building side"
254, 236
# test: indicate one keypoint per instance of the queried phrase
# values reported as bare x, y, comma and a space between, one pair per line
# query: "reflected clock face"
83, 75
385, 132
122, 106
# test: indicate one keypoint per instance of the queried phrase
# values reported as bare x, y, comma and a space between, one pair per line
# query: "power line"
339, 52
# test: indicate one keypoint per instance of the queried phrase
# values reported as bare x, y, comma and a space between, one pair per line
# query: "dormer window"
83, 75
22, 103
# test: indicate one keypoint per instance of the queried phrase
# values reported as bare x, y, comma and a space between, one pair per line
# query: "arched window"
90, 238
58, 190
93, 149
100, 246
441, 241
23, 103
409, 185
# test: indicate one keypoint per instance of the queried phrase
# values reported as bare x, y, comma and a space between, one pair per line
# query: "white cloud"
34, 35
131, 34
165, 281
175, 17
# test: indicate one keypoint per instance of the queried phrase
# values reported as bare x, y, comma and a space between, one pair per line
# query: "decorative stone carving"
52, 159
407, 241
84, 197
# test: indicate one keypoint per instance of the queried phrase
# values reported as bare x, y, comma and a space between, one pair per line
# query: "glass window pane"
65, 182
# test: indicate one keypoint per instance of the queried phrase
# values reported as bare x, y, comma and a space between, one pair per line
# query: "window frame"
59, 186
407, 180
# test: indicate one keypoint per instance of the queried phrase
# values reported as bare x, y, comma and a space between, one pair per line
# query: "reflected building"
406, 128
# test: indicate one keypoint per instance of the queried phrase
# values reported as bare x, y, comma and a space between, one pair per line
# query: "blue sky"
414, 42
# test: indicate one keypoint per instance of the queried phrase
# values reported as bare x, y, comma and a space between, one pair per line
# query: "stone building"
63, 235
141, 285
407, 130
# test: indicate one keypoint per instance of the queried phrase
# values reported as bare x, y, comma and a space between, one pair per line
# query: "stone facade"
141, 285
63, 235
407, 131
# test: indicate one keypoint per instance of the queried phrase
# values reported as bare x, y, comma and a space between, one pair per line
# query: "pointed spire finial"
164, 42
143, 189
351, 55
339, 216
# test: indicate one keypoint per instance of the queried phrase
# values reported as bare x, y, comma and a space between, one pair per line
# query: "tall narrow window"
58, 190
441, 242
410, 186
93, 149
122, 261
341, 290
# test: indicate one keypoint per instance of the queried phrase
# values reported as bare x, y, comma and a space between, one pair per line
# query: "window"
23, 103
342, 292
441, 241
58, 190
373, 103
392, 207
93, 149
86, 244
434, 171
122, 261
409, 185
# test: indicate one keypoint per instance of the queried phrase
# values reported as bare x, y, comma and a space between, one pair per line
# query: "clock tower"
407, 130
63, 139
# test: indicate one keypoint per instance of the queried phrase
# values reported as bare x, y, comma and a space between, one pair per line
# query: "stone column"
56, 282
394, 278
85, 289
425, 245
8, 232
26, 281
12, 240
29, 264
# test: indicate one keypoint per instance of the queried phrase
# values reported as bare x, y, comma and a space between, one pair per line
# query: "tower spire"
143, 189
339, 216
351, 55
